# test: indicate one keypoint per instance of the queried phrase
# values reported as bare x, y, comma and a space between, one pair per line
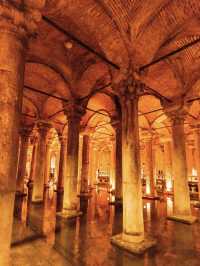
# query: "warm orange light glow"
169, 185
148, 189
169, 206
194, 172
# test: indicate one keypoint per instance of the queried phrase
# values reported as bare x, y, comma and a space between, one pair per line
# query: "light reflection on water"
86, 240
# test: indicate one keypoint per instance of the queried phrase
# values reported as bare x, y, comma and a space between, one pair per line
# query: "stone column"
62, 163
118, 161
182, 209
61, 173
34, 141
132, 238
21, 193
168, 165
25, 136
93, 164
150, 165
15, 26
197, 154
47, 163
70, 201
85, 166
38, 187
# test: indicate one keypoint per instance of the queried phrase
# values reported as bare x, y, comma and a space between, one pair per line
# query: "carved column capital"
147, 136
176, 112
43, 128
196, 128
62, 139
86, 130
74, 111
20, 18
116, 123
25, 133
131, 89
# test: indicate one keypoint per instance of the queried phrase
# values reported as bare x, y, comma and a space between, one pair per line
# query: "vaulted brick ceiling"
119, 32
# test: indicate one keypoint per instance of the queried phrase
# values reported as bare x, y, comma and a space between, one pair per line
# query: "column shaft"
85, 165
132, 194
197, 150
15, 26
47, 163
118, 163
22, 161
62, 163
150, 165
12, 64
168, 166
181, 189
70, 201
33, 159
38, 187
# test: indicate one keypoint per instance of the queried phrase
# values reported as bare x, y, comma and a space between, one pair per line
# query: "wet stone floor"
85, 241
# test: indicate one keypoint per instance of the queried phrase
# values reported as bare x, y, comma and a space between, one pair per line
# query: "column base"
197, 204
85, 195
117, 203
68, 214
59, 203
20, 206
151, 197
186, 219
132, 244
37, 201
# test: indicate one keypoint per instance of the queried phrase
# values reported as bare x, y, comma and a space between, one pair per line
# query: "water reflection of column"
49, 217
91, 211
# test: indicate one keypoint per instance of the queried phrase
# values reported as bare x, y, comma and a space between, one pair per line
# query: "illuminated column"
39, 178
168, 165
93, 164
25, 136
189, 155
15, 26
149, 166
118, 161
85, 166
62, 163
47, 163
197, 155
132, 238
113, 163
62, 172
34, 141
182, 209
70, 201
